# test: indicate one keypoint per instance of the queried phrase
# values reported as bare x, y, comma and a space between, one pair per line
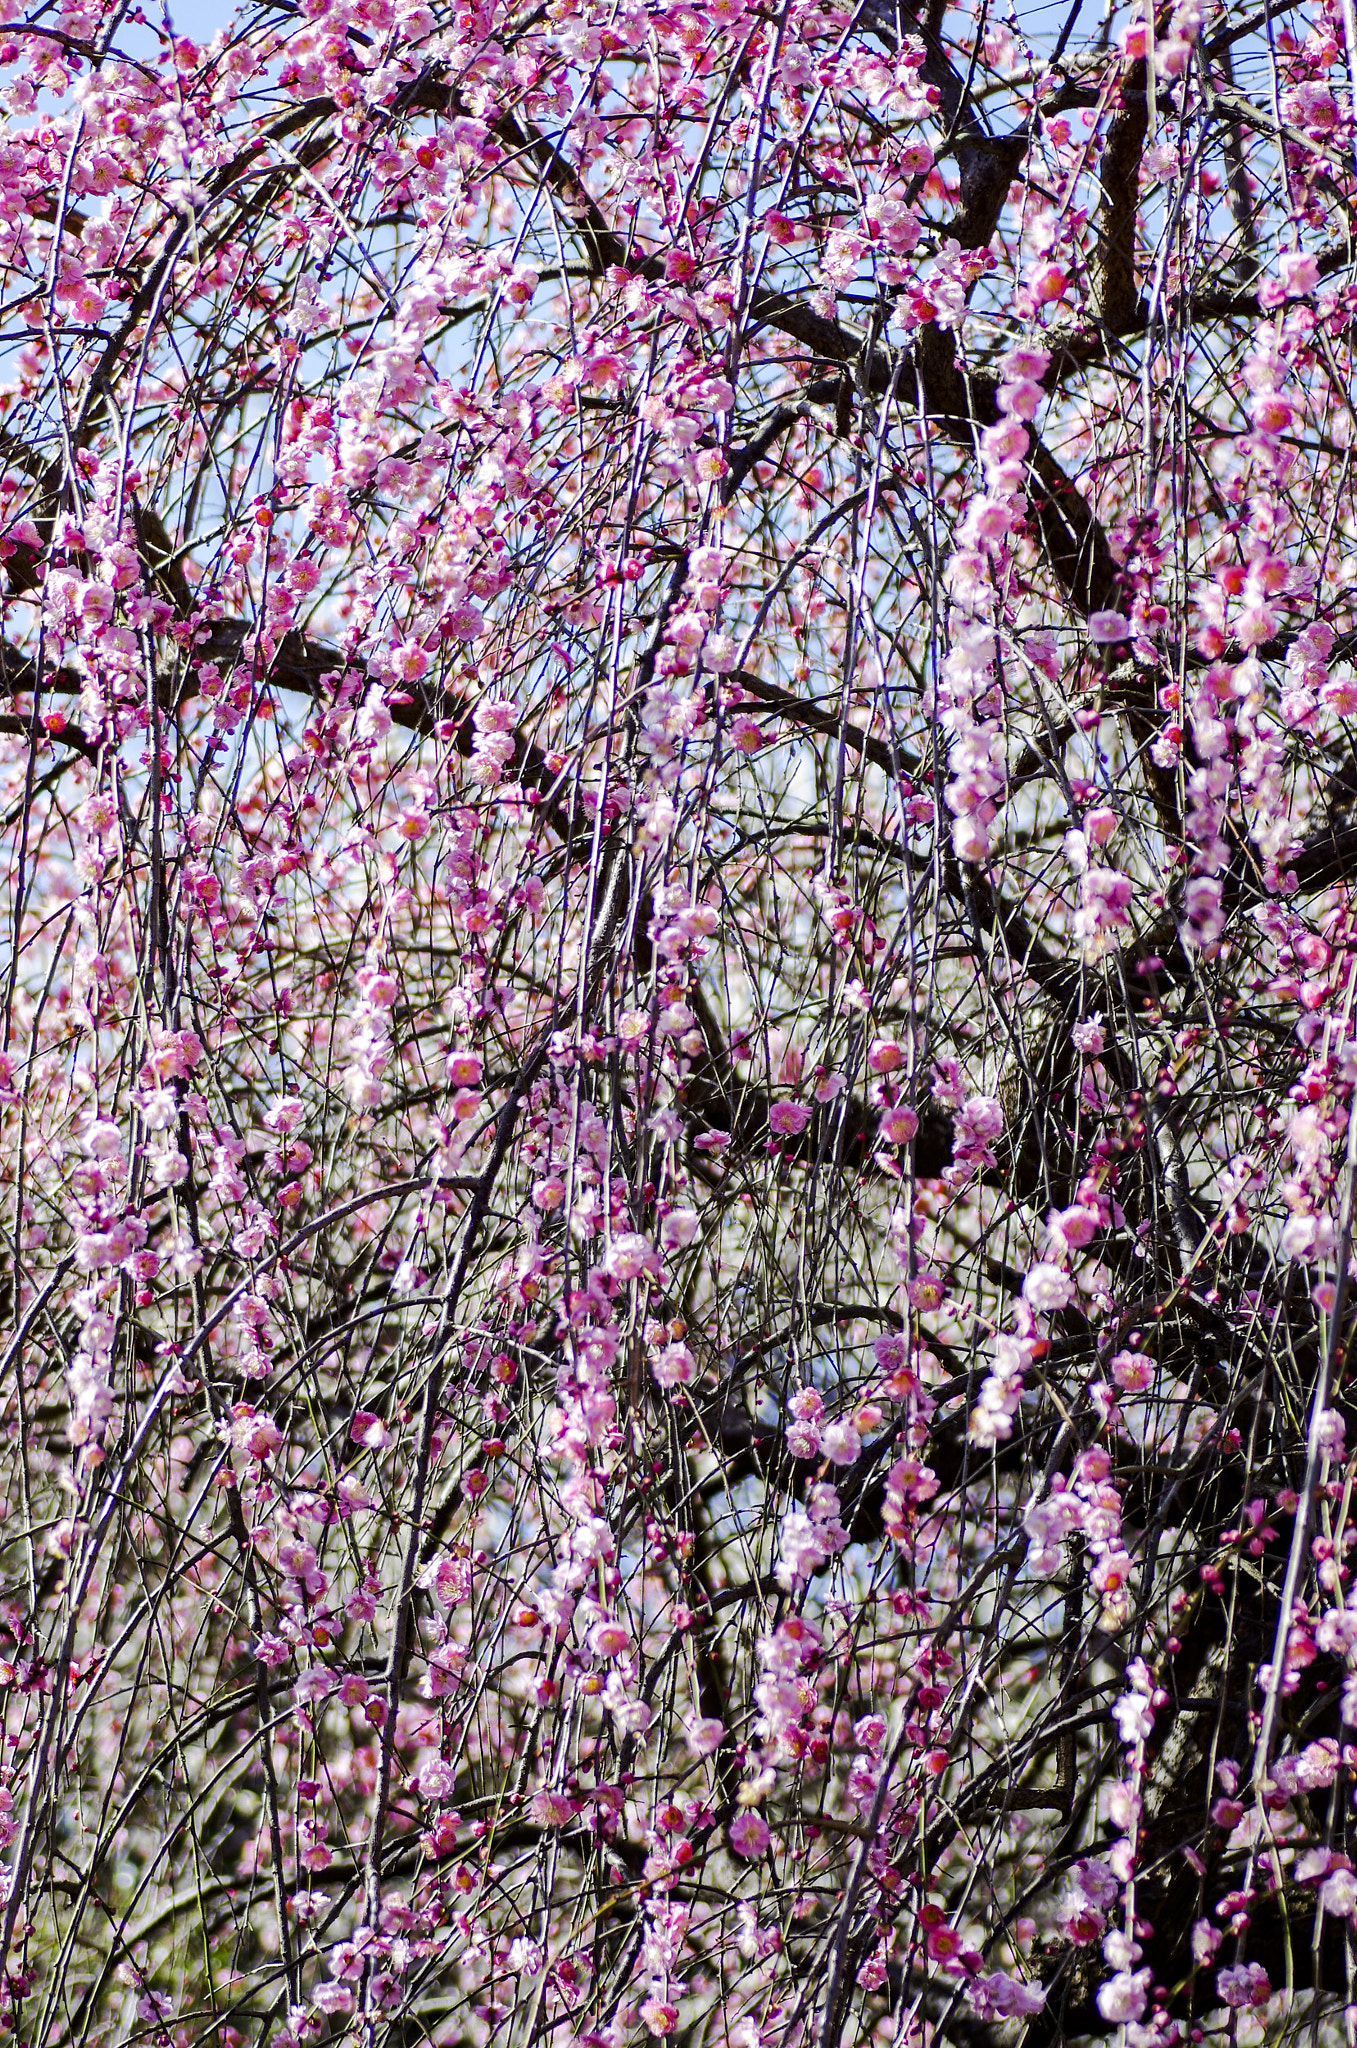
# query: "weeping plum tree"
680, 1014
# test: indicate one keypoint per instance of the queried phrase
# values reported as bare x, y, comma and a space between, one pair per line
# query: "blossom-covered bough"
680, 1014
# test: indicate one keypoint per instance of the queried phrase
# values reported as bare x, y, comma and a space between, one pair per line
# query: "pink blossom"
810, 1537
1088, 1036
1048, 1288
609, 1639
1073, 1228
553, 1809
680, 1227
1134, 1718
1132, 1371
1329, 1434
524, 706
630, 1255
705, 1737
1246, 1984
332, 1999
1298, 271
1206, 1939
840, 1443
437, 1779
749, 1835
1123, 1997
673, 1366
1022, 399
1338, 1895
1000, 1996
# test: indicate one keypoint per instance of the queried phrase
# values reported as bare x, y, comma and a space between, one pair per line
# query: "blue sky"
199, 19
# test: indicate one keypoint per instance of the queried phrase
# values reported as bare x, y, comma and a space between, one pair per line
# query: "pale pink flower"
1245, 1985
1124, 1996
749, 1835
